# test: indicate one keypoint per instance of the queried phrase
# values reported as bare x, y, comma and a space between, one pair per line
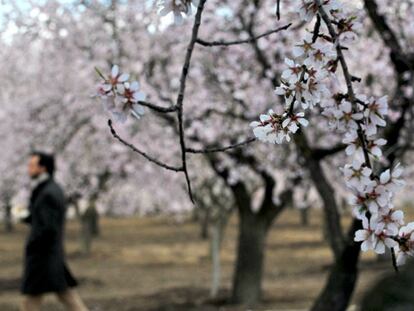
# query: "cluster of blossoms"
304, 86
177, 7
274, 128
309, 8
120, 96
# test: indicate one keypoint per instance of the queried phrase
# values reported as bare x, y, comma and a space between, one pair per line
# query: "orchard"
211, 125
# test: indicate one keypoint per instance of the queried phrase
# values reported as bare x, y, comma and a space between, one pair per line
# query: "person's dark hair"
46, 160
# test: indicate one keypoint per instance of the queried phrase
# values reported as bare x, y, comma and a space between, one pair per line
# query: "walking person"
45, 270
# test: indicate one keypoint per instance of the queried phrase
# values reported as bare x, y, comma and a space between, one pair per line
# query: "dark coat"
44, 267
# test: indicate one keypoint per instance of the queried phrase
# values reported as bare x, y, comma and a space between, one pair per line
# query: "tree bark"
342, 276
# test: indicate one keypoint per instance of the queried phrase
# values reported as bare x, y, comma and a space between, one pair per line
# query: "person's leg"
31, 303
72, 301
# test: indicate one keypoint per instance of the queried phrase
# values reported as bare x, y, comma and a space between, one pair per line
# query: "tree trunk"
96, 229
247, 282
88, 223
342, 277
204, 222
327, 194
217, 233
8, 223
304, 216
215, 259
86, 237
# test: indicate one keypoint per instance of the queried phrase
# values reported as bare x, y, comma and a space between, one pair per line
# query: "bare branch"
222, 149
180, 98
278, 9
322, 153
158, 108
236, 42
142, 153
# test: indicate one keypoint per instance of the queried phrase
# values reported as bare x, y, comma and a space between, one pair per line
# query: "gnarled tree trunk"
253, 229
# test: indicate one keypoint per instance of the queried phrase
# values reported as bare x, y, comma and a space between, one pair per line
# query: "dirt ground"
156, 264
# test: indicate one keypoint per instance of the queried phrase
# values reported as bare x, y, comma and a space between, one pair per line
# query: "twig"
222, 149
180, 98
278, 9
394, 260
229, 43
158, 108
316, 28
142, 153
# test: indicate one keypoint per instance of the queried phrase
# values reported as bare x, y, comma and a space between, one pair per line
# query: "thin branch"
322, 153
316, 28
394, 260
278, 9
180, 98
236, 42
221, 149
142, 153
158, 108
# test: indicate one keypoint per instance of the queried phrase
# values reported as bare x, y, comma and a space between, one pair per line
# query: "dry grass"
156, 264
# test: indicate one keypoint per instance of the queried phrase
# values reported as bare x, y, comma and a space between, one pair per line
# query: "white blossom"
357, 175
375, 112
309, 8
406, 244
121, 97
374, 146
177, 7
391, 179
392, 221
293, 122
373, 236
115, 80
293, 73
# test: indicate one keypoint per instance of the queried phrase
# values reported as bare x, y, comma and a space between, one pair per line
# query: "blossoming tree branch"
122, 97
357, 116
317, 80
